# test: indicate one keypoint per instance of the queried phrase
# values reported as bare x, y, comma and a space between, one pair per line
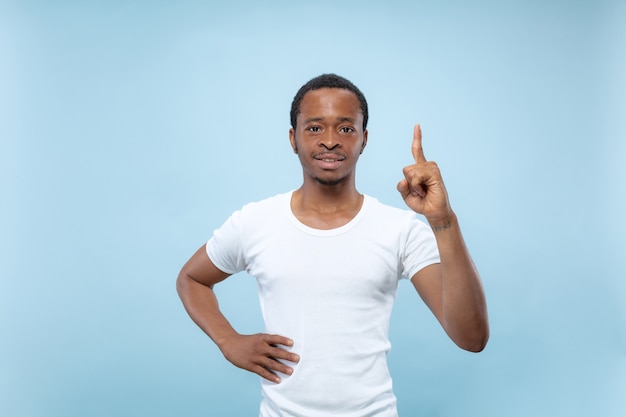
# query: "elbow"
186, 283
470, 337
182, 283
476, 346
476, 342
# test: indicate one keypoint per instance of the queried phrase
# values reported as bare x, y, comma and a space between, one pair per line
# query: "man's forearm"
202, 306
463, 300
259, 353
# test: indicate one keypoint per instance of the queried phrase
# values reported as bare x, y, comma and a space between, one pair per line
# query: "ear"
364, 141
292, 140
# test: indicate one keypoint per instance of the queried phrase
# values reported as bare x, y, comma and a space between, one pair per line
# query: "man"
327, 260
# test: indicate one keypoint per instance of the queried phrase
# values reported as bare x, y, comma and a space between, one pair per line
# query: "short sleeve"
420, 248
225, 247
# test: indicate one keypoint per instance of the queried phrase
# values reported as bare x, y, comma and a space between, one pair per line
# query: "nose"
330, 140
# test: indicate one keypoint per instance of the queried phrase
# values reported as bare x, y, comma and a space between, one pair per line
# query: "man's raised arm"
451, 289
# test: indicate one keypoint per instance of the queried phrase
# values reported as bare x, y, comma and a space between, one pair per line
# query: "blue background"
131, 129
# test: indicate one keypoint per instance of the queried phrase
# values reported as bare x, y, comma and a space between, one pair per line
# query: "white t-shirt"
331, 292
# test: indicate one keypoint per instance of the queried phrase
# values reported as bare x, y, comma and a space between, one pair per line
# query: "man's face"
329, 135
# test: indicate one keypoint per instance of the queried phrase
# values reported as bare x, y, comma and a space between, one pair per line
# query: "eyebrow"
339, 119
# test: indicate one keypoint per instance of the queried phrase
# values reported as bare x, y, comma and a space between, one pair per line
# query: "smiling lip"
329, 160
329, 157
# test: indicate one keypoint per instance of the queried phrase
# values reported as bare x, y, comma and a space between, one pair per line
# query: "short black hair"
327, 81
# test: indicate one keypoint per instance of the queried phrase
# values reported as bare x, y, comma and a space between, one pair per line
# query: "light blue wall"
131, 129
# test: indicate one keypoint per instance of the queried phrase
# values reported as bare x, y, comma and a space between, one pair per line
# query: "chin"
329, 181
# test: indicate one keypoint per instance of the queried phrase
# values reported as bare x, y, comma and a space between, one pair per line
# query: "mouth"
329, 160
329, 157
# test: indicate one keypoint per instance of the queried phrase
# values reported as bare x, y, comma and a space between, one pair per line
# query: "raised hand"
422, 187
259, 353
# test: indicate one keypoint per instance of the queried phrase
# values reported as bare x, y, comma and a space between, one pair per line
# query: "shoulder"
253, 215
385, 211
402, 220
268, 208
269, 203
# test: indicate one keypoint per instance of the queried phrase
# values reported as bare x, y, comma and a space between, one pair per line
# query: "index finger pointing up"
416, 146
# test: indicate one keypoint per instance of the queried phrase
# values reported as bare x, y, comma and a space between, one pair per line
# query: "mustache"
329, 154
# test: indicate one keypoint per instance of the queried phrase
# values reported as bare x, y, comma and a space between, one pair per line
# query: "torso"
330, 290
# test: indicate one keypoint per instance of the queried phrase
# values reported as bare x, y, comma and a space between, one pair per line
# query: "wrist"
441, 224
225, 340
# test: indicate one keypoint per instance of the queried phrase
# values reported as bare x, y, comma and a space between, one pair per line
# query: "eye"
346, 129
314, 129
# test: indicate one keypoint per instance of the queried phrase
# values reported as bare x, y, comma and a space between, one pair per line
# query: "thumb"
403, 187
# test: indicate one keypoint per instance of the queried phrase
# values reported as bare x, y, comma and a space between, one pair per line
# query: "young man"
327, 260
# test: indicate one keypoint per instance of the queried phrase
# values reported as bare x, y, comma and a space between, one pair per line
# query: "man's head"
329, 130
327, 81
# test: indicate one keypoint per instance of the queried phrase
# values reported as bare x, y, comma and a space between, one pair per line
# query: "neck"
328, 198
326, 207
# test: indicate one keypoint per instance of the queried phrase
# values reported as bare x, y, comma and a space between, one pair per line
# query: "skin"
452, 289
329, 126
328, 139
